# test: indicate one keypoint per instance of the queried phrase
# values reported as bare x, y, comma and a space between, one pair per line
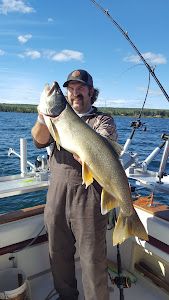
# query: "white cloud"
25, 87
155, 59
48, 53
20, 6
28, 92
119, 102
50, 20
66, 55
2, 52
24, 38
150, 92
33, 54
111, 102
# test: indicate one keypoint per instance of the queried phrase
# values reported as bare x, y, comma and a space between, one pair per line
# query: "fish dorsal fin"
108, 202
53, 131
116, 146
87, 175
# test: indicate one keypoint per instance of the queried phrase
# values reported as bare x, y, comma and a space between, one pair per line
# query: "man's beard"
79, 97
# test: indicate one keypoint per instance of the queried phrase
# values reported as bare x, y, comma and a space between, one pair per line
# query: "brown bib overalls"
72, 215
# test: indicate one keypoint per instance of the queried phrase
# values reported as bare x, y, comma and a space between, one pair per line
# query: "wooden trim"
22, 214
158, 244
161, 211
19, 246
157, 209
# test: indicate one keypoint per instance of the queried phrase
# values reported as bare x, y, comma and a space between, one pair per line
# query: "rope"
51, 294
29, 244
145, 97
138, 123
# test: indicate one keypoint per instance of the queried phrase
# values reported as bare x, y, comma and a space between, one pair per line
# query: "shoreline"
115, 111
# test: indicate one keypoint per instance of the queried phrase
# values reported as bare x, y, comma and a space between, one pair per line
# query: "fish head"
52, 100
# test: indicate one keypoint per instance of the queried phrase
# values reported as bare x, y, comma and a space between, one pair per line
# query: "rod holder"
23, 156
164, 160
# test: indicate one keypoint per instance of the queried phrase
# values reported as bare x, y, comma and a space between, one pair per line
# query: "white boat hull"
19, 229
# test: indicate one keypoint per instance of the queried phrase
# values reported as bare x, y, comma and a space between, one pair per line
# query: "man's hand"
40, 118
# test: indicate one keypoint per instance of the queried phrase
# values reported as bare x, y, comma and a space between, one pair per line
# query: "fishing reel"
121, 282
41, 162
137, 124
165, 137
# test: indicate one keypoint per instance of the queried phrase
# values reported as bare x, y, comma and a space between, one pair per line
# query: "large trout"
99, 160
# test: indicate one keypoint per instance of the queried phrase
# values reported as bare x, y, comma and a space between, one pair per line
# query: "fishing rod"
120, 280
125, 34
136, 124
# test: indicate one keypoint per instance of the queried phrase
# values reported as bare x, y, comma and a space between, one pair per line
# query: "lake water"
14, 126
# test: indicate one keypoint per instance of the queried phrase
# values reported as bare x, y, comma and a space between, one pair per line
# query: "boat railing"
35, 179
135, 169
24, 163
139, 170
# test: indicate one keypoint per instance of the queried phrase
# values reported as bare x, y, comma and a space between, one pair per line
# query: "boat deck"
20, 228
42, 286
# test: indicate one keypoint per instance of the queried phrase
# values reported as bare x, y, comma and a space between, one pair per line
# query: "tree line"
135, 112
24, 108
131, 112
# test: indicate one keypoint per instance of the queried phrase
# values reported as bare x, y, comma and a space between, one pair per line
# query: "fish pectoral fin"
87, 175
53, 131
56, 136
128, 226
108, 202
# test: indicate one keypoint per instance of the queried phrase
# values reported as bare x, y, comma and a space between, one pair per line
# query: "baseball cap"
81, 76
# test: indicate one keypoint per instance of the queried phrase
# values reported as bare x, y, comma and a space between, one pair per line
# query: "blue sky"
44, 40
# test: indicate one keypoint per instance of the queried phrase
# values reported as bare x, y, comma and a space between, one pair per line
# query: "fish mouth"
54, 87
50, 115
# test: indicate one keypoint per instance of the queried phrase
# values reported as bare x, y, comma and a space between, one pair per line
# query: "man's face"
79, 96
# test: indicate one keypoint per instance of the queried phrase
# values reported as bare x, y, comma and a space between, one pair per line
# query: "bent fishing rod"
125, 34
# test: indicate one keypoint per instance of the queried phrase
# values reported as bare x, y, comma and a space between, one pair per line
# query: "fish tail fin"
127, 227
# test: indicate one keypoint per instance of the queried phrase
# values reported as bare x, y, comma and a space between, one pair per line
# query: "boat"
137, 269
